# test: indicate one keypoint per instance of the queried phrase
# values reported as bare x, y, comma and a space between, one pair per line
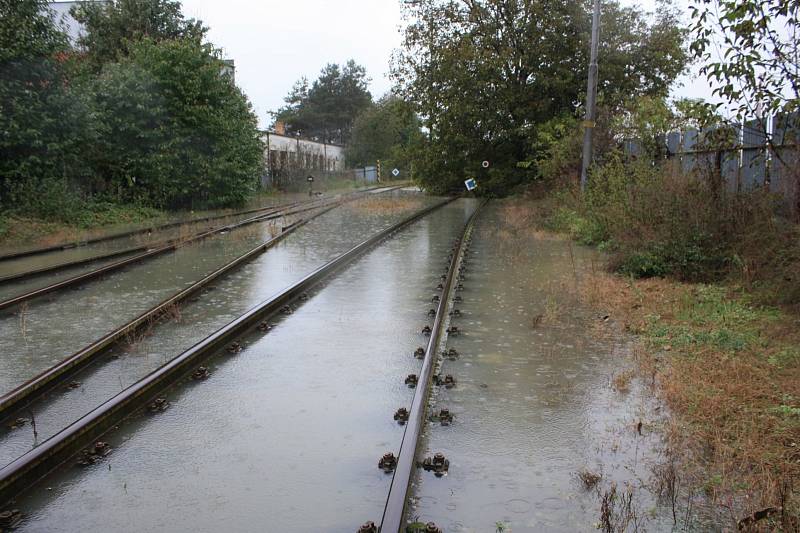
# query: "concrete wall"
290, 158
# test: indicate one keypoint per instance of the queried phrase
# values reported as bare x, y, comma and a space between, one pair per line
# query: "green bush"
151, 122
659, 222
583, 229
176, 133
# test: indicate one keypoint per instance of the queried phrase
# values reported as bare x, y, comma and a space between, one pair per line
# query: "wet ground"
286, 435
121, 243
86, 251
305, 250
534, 404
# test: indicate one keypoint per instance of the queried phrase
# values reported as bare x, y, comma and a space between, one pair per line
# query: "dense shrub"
175, 133
655, 221
149, 120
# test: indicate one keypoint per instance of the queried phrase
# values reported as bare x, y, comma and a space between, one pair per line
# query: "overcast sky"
275, 42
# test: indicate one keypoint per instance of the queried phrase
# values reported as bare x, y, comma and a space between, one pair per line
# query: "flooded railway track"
146, 253
31, 273
413, 418
147, 392
320, 413
142, 231
11, 403
109, 346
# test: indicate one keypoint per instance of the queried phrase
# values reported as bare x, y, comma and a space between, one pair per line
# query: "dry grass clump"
588, 478
621, 382
521, 219
384, 206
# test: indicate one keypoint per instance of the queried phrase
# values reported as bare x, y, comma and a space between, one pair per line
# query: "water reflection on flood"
35, 336
533, 405
308, 248
286, 435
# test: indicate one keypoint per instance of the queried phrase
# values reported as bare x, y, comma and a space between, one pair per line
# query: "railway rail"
140, 231
154, 252
27, 469
406, 461
111, 255
18, 398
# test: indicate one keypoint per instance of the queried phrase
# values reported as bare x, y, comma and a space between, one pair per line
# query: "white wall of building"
281, 151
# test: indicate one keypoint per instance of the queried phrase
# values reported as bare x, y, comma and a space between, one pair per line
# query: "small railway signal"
395, 172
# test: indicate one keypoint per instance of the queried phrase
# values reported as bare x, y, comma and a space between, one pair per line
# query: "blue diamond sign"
471, 184
395, 173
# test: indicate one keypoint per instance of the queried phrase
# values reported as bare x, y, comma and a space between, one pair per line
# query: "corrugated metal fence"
739, 154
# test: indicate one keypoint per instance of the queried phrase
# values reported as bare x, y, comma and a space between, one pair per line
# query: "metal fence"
365, 174
739, 154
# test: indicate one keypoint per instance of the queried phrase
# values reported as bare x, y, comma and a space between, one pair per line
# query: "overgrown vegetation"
655, 220
387, 131
136, 114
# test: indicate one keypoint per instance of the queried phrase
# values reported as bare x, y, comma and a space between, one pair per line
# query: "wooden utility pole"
591, 97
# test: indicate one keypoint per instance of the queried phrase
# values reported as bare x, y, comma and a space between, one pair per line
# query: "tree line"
136, 111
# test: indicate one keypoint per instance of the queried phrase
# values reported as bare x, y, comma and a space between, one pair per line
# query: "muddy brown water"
533, 404
286, 435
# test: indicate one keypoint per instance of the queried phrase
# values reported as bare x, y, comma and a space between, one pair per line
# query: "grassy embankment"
22, 230
87, 220
723, 353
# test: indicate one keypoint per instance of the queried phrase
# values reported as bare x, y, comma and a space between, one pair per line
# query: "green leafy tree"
43, 123
326, 109
387, 131
112, 27
176, 132
750, 52
485, 74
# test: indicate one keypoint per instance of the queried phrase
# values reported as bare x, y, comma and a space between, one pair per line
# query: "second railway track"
78, 243
142, 253
121, 352
54, 451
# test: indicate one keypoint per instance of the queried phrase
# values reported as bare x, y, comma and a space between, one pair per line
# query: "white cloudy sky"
275, 42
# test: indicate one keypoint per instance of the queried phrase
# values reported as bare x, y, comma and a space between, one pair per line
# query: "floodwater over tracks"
284, 435
37, 335
84, 252
127, 236
534, 409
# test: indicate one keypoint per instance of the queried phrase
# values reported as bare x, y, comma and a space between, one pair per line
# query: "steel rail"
165, 243
37, 463
174, 245
395, 507
130, 233
127, 251
27, 392
45, 381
